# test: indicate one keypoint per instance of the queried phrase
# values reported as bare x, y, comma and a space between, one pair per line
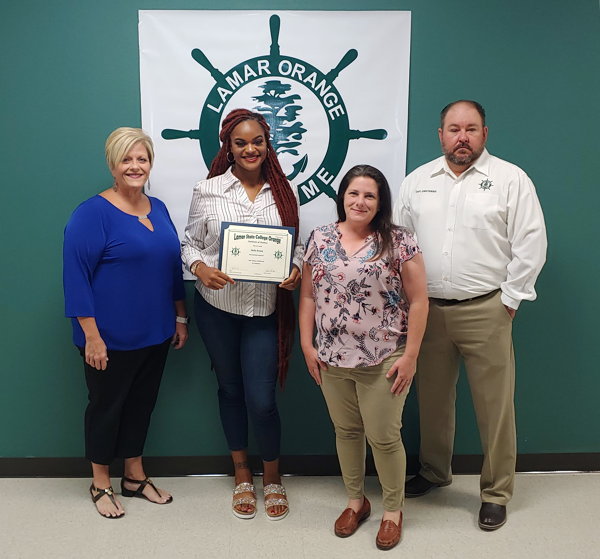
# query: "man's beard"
463, 160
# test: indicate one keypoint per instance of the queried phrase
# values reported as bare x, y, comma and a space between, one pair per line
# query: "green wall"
69, 75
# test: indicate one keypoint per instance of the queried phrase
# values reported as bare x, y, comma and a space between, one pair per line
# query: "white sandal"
275, 489
244, 487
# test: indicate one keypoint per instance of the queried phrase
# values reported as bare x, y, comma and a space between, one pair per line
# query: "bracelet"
182, 319
194, 266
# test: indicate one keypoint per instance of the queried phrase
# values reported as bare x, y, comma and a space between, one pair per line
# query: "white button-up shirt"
219, 199
480, 231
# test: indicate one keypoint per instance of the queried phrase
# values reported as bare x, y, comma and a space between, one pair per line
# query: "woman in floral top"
364, 289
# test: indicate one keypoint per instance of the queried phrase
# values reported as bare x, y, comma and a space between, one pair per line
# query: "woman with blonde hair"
124, 292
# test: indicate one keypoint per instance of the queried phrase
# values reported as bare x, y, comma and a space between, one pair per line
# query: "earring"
232, 158
114, 186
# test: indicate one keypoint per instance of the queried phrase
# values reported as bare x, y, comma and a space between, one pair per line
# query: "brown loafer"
349, 521
389, 534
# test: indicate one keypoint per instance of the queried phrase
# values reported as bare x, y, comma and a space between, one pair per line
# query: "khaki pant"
360, 403
480, 332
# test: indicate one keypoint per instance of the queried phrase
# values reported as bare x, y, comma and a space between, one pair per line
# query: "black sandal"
139, 491
109, 492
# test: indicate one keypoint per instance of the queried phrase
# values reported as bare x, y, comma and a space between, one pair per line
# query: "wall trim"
307, 465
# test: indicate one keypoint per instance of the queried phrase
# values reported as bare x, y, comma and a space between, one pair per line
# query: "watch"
182, 319
193, 267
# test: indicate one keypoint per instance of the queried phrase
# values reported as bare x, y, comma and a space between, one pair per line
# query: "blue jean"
243, 352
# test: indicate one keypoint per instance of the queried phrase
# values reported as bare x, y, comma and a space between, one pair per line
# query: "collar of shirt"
481, 165
231, 181
368, 239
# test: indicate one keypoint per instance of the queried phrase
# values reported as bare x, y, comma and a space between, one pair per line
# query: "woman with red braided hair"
247, 327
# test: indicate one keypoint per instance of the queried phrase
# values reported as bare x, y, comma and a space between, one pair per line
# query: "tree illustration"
281, 113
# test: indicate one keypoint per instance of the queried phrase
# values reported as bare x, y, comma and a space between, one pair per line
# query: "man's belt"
451, 302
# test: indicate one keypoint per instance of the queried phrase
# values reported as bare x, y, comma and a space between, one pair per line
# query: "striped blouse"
219, 199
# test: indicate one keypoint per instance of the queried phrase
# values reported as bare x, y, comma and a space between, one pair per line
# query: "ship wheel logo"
283, 89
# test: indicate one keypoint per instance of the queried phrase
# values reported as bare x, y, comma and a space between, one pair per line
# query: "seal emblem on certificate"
259, 253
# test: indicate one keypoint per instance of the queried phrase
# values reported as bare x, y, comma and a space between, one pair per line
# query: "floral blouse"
361, 313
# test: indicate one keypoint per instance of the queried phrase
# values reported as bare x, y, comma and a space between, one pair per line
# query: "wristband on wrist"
194, 266
182, 319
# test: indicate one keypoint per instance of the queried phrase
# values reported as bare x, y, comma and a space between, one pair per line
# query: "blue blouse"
118, 271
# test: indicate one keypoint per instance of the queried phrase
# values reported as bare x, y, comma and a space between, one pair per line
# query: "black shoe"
492, 516
419, 486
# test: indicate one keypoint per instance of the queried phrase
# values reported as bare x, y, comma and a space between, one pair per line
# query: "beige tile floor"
552, 516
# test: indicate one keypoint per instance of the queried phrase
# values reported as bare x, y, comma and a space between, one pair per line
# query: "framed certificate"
257, 253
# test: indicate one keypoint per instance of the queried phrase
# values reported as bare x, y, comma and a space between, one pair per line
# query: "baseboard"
308, 465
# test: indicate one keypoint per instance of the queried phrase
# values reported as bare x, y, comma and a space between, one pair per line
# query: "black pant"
121, 401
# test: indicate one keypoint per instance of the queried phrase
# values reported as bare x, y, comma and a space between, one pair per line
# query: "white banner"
332, 85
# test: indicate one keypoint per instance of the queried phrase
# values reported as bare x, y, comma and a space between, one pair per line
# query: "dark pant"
121, 401
243, 351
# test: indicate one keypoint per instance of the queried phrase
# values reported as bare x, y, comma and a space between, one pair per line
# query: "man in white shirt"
480, 226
